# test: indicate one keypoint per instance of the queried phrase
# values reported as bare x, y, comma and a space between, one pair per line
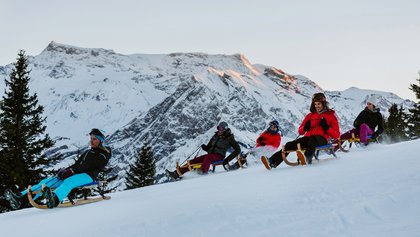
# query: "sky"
369, 44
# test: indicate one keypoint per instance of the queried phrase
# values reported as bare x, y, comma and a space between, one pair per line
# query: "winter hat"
222, 126
98, 134
275, 123
319, 97
372, 99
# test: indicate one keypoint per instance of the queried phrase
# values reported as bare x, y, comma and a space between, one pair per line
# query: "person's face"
273, 127
318, 106
370, 106
220, 130
94, 142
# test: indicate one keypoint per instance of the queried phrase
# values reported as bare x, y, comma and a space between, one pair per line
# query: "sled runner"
214, 164
356, 140
78, 196
301, 159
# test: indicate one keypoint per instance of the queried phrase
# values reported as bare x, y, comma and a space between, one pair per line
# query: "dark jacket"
92, 162
219, 144
372, 118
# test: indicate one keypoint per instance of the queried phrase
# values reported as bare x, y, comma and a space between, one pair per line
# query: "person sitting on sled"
216, 150
85, 170
366, 122
317, 127
266, 143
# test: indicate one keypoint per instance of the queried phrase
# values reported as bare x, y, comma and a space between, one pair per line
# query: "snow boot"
235, 166
266, 162
172, 174
50, 197
14, 200
227, 167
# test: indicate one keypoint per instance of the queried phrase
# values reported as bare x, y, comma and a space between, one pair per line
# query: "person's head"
371, 103
97, 138
222, 127
273, 125
319, 102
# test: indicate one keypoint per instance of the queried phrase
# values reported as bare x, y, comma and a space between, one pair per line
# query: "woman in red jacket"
317, 127
270, 138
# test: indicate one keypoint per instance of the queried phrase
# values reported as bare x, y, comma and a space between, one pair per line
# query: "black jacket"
92, 162
372, 118
219, 144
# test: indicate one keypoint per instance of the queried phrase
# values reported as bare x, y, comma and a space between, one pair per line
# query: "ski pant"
205, 161
308, 144
363, 132
62, 187
51, 182
70, 183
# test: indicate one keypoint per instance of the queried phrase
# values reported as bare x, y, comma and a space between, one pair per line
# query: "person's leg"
313, 142
51, 182
348, 134
196, 160
276, 159
364, 132
208, 159
70, 183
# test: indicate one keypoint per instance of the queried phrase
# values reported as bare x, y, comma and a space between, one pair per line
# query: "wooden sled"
330, 148
299, 153
71, 201
196, 166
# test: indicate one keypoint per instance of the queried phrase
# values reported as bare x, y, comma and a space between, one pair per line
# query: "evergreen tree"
106, 176
396, 125
414, 116
142, 172
22, 138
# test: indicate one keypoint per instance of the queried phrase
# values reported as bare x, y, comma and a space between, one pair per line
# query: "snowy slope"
366, 192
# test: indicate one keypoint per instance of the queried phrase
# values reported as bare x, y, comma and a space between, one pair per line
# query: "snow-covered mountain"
174, 100
365, 192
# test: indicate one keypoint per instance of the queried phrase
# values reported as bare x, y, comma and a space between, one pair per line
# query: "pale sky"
370, 44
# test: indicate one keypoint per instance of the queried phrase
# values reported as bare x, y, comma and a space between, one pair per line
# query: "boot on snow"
14, 200
50, 197
172, 174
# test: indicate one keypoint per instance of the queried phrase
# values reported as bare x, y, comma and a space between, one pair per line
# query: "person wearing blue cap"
85, 170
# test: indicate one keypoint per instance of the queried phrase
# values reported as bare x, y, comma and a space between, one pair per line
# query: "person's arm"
208, 146
380, 129
261, 140
359, 120
334, 129
304, 125
92, 162
79, 159
236, 150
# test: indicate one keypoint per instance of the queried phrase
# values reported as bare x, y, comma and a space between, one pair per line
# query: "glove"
374, 135
324, 125
307, 125
260, 139
262, 143
65, 173
204, 147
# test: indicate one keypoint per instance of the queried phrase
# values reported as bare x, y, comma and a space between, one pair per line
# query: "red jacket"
315, 118
269, 139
